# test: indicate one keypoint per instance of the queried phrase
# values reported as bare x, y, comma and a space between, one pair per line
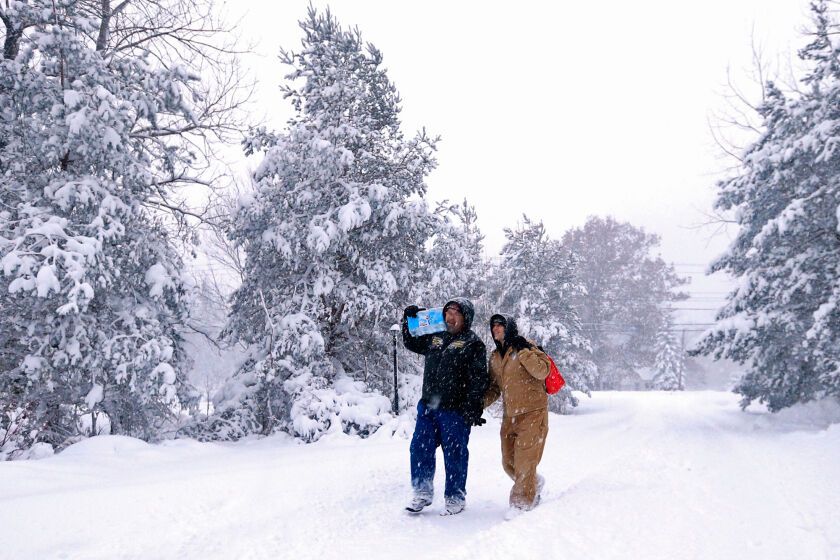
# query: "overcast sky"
559, 110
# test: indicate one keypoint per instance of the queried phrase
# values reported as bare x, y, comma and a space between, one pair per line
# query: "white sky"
559, 110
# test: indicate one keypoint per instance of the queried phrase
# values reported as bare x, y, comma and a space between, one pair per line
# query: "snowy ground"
629, 475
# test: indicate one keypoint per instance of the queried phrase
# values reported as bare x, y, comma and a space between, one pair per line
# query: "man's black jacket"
455, 375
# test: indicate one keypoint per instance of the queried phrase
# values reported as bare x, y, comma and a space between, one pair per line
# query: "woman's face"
498, 332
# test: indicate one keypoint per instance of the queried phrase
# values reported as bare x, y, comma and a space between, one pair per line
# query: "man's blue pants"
449, 430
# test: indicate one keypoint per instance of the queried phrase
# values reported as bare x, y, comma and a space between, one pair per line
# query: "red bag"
554, 382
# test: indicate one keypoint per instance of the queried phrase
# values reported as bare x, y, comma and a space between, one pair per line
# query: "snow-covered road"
629, 476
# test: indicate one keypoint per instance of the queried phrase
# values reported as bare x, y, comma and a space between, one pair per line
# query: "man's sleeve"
417, 344
479, 379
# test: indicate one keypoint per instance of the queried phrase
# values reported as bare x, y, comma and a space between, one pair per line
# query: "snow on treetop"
166, 373
46, 281
353, 214
94, 396
157, 278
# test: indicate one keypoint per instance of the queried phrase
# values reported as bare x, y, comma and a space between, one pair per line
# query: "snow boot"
453, 507
418, 503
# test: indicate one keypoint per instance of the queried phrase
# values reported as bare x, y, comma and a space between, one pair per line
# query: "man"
454, 383
517, 372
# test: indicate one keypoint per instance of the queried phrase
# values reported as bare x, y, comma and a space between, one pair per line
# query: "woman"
517, 373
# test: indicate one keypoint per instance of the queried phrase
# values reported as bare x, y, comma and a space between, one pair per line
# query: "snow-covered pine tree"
334, 239
669, 360
92, 145
536, 280
627, 289
783, 319
456, 258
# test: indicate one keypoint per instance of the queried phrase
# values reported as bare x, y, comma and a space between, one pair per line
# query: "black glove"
474, 418
519, 343
411, 311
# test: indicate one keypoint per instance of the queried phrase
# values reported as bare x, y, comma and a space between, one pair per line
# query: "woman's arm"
535, 362
493, 391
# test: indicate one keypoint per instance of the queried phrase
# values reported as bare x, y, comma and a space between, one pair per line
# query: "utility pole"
682, 358
394, 330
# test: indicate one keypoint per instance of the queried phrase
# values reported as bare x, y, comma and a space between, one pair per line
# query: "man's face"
454, 319
498, 331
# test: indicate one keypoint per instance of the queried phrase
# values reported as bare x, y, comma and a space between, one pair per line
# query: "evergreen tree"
536, 281
626, 291
669, 362
455, 260
783, 320
91, 150
334, 240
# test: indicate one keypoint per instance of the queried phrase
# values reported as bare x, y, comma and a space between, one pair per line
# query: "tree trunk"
102, 38
12, 43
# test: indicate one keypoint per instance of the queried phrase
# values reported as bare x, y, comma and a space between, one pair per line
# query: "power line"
635, 327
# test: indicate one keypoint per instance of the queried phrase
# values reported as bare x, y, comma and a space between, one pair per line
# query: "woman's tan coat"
519, 377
